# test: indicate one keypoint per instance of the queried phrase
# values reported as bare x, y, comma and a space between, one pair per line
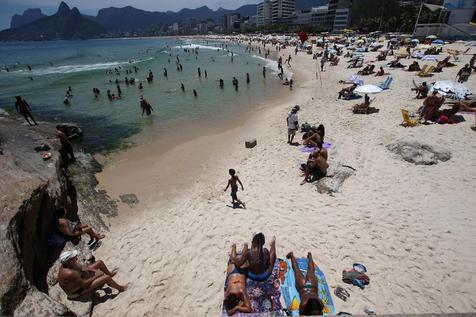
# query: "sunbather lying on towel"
258, 260
236, 296
307, 287
347, 91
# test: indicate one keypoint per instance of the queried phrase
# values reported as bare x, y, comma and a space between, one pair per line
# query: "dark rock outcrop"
30, 15
336, 176
65, 24
129, 199
419, 153
31, 190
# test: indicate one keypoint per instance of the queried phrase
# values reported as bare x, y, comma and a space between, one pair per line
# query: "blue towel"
290, 293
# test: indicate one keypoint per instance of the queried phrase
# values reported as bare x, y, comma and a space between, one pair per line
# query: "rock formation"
419, 153
30, 15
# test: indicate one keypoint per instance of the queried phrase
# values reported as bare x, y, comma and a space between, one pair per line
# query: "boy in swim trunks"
234, 188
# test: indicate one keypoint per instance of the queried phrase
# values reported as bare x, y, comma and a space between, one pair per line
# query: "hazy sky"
10, 7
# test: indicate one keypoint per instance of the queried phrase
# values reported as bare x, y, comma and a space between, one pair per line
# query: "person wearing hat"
81, 281
293, 124
24, 108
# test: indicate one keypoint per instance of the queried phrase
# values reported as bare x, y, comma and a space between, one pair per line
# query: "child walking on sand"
234, 188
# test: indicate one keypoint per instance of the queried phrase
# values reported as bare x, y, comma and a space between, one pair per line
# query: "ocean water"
85, 64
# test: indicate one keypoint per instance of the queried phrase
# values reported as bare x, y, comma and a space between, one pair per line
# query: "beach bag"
305, 127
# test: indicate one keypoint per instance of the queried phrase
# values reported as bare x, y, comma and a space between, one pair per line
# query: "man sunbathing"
316, 164
414, 67
236, 296
347, 92
258, 260
362, 107
81, 281
381, 72
307, 287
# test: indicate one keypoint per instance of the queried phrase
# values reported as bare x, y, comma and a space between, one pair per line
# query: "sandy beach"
413, 226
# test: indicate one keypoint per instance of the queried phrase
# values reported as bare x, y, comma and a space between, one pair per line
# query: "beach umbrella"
431, 37
451, 88
356, 80
368, 89
440, 42
415, 41
303, 36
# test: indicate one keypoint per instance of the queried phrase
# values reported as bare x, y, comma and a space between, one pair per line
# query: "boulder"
250, 143
336, 176
419, 153
37, 303
130, 199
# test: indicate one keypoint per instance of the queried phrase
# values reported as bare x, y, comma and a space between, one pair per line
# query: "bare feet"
101, 236
290, 255
124, 288
244, 206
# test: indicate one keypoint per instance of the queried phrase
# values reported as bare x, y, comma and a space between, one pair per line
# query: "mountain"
28, 16
65, 24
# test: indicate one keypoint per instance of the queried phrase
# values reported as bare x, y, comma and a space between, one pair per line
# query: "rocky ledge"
31, 188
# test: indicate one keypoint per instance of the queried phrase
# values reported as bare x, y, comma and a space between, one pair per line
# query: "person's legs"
100, 282
26, 118
90, 232
240, 202
300, 281
292, 136
272, 255
31, 116
99, 265
311, 268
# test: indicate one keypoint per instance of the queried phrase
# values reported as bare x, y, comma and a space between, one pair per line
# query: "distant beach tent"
368, 89
451, 88
303, 36
439, 42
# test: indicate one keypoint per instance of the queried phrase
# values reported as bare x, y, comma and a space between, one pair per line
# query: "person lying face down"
307, 287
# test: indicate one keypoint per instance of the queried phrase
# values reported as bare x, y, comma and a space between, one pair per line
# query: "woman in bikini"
258, 260
236, 297
307, 287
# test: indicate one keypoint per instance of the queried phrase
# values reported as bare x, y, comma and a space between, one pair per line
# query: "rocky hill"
30, 15
65, 24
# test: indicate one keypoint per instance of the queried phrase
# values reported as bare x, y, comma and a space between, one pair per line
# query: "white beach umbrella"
368, 89
451, 88
431, 37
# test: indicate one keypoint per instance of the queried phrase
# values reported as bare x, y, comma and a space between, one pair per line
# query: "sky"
48, 7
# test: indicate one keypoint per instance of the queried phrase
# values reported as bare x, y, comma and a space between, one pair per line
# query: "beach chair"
426, 72
407, 120
386, 84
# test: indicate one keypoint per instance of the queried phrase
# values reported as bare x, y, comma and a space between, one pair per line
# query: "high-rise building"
339, 14
281, 10
263, 13
231, 22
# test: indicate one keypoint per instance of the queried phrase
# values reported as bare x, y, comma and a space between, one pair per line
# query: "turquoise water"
84, 65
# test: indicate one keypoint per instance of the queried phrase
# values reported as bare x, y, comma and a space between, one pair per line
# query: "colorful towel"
310, 149
290, 294
264, 296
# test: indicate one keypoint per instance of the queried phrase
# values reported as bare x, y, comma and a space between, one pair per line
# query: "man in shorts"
292, 121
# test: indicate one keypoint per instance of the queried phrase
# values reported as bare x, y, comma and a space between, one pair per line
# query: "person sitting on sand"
312, 138
75, 229
347, 92
362, 107
80, 282
441, 64
422, 91
381, 72
464, 73
307, 287
258, 260
316, 164
431, 108
382, 56
414, 67
396, 64
234, 188
236, 296
472, 61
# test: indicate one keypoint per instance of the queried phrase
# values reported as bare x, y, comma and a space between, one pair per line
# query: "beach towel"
264, 296
310, 149
290, 294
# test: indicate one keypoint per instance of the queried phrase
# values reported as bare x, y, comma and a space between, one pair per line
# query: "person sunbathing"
366, 70
362, 107
75, 229
312, 138
422, 91
441, 64
82, 281
414, 67
431, 108
258, 260
382, 56
236, 296
347, 92
396, 64
316, 165
381, 72
307, 287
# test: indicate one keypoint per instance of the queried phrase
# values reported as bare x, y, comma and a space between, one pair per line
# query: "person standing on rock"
24, 108
66, 150
80, 282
